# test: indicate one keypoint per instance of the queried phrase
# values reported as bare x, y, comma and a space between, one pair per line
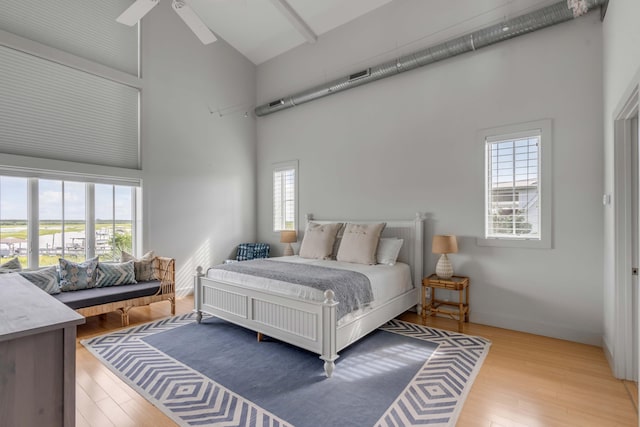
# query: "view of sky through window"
13, 200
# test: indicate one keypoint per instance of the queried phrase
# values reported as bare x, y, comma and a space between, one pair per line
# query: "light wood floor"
526, 380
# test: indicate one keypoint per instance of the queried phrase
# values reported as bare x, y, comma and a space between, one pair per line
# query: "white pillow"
388, 250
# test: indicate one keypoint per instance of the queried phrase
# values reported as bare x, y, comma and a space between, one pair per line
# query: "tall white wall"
621, 59
198, 168
408, 144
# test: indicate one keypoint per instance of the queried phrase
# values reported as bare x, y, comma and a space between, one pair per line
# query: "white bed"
305, 317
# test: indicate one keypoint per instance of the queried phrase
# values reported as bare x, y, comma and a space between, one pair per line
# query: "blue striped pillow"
116, 273
247, 251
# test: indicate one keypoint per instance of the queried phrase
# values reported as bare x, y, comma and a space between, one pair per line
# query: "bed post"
329, 336
197, 292
418, 259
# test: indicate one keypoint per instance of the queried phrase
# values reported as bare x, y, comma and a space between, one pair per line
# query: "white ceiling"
260, 31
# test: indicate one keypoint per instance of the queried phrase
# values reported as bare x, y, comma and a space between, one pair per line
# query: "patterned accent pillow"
143, 266
11, 266
77, 276
114, 274
247, 251
45, 278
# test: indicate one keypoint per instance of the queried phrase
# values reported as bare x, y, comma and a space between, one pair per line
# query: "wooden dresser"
37, 356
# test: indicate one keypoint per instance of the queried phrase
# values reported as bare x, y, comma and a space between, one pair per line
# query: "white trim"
90, 225
280, 166
621, 349
546, 182
58, 56
537, 326
33, 223
70, 171
136, 218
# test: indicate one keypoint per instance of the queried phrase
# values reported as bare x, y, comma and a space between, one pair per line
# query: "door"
635, 245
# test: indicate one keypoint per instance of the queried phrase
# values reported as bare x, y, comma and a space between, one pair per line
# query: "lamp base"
444, 269
288, 250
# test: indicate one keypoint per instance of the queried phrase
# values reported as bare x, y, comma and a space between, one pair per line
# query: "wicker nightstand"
456, 283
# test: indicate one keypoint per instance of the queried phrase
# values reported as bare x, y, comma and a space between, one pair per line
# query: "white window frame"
279, 167
33, 201
543, 128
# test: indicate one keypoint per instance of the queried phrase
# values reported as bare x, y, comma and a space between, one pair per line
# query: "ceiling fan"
140, 8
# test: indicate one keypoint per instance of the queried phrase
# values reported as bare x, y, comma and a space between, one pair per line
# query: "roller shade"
85, 28
52, 111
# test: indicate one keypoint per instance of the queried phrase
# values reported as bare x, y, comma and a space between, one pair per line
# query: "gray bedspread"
352, 289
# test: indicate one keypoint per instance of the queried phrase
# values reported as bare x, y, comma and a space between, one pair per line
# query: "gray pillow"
360, 242
11, 266
45, 278
318, 239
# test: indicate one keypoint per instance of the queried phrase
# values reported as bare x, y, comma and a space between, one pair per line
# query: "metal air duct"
554, 14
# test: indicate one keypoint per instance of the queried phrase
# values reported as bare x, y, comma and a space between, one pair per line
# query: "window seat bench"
122, 298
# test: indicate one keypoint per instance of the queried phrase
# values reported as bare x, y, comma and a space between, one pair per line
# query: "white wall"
198, 168
621, 59
408, 144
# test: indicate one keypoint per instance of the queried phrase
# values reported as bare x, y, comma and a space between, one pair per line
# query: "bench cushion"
97, 296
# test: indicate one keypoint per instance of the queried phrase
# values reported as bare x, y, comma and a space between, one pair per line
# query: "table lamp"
444, 245
288, 237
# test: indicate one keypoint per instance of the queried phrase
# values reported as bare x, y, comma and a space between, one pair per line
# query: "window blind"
85, 28
513, 186
284, 199
52, 111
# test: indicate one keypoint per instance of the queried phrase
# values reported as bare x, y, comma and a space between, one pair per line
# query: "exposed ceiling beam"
298, 23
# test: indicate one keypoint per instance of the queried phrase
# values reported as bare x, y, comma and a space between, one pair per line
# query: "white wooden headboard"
412, 231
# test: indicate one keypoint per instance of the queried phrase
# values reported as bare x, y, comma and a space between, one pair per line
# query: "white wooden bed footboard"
311, 325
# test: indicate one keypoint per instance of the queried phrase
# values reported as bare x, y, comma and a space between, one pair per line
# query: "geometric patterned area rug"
168, 362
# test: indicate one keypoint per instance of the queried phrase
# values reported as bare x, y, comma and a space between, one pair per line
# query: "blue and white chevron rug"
217, 374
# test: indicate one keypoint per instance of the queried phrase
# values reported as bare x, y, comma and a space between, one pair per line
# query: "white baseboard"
608, 353
538, 328
183, 291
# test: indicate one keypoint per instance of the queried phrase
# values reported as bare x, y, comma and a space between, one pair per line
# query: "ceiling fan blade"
193, 21
136, 11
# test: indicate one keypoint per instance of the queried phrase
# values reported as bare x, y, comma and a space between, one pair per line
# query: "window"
61, 222
517, 209
13, 217
63, 89
114, 220
71, 92
50, 218
285, 195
